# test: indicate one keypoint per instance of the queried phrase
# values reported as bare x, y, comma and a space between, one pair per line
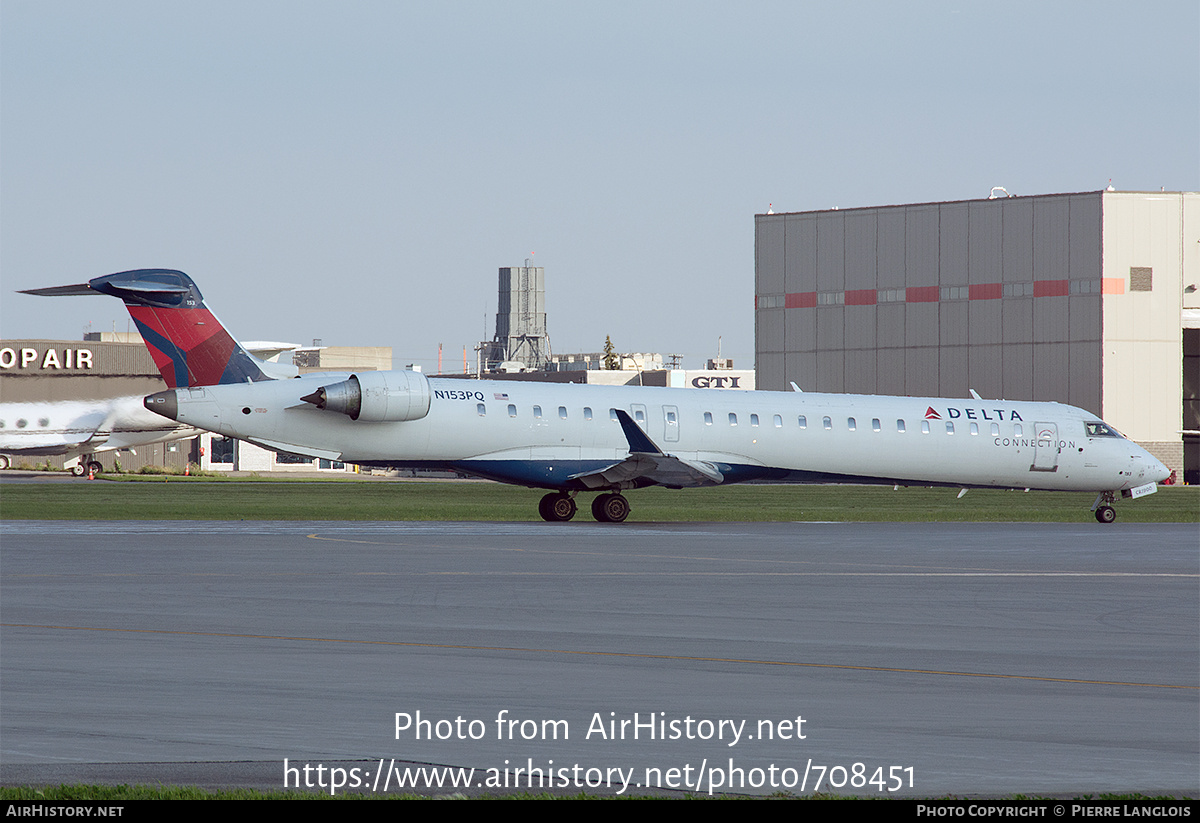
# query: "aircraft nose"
1157, 471
164, 402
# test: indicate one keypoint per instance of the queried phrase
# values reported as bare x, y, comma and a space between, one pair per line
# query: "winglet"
639, 442
795, 388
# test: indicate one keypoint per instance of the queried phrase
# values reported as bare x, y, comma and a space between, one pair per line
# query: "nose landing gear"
1104, 512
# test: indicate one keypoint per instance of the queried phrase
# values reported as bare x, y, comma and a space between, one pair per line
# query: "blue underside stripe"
553, 474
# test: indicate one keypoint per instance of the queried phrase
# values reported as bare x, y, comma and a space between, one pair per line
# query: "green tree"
612, 362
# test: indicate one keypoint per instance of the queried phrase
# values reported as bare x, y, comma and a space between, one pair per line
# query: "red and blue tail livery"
188, 343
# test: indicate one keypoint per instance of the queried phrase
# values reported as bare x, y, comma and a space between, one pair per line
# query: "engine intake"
376, 397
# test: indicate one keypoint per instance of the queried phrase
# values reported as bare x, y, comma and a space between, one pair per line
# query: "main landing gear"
83, 467
559, 507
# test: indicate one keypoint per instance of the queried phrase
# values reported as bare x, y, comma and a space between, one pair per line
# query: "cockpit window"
1096, 428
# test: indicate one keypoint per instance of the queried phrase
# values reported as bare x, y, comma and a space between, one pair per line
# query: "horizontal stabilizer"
61, 291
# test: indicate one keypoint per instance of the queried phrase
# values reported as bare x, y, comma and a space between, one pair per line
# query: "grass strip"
200, 499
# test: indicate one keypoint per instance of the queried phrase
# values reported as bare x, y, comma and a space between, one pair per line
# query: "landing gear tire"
556, 508
79, 470
5, 461
94, 467
610, 508
1106, 514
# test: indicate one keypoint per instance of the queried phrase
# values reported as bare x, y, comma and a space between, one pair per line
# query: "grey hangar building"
1089, 299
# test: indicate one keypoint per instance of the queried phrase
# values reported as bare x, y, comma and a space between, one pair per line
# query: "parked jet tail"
188, 343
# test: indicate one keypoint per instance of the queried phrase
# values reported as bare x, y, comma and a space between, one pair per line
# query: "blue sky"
358, 171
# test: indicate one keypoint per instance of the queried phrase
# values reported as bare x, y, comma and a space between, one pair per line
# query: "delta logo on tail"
189, 345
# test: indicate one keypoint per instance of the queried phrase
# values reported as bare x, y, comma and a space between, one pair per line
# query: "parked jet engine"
377, 396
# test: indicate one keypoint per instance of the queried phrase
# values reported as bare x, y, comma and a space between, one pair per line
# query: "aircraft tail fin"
188, 343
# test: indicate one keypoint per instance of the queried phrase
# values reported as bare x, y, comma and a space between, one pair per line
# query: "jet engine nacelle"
377, 396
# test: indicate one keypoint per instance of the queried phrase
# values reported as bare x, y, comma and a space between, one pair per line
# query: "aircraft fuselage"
553, 436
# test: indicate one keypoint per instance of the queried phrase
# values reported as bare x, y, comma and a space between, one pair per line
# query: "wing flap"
647, 464
660, 469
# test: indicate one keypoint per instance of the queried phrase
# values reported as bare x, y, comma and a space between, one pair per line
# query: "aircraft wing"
649, 464
663, 469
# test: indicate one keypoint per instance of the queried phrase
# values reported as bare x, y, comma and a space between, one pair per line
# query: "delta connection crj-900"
573, 439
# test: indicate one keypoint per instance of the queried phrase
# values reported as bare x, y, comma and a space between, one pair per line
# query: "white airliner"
571, 438
80, 429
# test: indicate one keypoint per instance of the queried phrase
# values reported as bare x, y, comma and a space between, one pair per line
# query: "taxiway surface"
976, 659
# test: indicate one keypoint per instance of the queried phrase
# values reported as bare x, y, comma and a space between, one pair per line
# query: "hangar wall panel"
801, 255
953, 237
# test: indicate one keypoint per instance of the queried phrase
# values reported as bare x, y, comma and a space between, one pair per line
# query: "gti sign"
705, 381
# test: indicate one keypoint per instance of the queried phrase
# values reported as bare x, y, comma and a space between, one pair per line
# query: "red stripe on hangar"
800, 300
986, 291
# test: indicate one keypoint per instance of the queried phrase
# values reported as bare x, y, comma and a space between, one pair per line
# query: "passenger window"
512, 410
803, 421
949, 427
850, 424
778, 422
924, 427
1017, 430
671, 417
587, 412
537, 411
827, 423
639, 416
708, 418
900, 426
875, 424
974, 428
732, 419
562, 412
481, 409
995, 430
754, 420
612, 415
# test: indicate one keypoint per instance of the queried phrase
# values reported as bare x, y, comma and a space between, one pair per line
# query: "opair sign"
50, 359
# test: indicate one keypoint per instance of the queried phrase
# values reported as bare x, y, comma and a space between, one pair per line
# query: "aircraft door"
1045, 451
638, 412
670, 424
